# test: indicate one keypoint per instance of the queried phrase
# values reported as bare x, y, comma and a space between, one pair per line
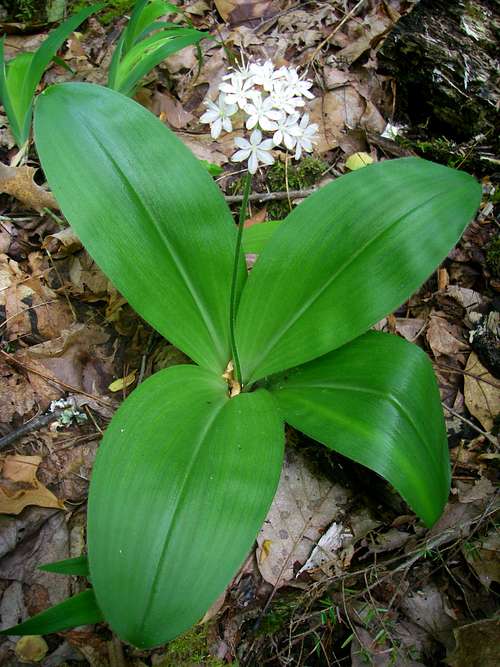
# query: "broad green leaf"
347, 256
148, 17
376, 401
256, 237
17, 71
78, 610
148, 53
28, 69
146, 210
78, 566
182, 482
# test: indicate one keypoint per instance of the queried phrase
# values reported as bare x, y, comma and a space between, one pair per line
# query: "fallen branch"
271, 196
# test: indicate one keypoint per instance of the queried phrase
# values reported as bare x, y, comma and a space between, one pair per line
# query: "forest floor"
390, 592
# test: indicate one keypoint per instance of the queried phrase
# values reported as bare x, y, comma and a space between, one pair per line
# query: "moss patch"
190, 649
493, 256
299, 177
114, 8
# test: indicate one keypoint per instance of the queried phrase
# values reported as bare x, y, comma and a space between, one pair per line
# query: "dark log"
444, 57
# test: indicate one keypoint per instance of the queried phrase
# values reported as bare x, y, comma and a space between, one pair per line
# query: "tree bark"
444, 57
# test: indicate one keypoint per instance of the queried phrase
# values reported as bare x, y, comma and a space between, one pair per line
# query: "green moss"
493, 256
114, 8
299, 177
279, 615
190, 649
25, 10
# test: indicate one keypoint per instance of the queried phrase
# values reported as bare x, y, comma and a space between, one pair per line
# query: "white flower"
243, 71
261, 112
299, 86
265, 75
238, 91
254, 150
287, 130
305, 137
283, 98
218, 115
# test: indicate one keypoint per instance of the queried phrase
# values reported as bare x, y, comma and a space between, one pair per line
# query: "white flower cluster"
272, 100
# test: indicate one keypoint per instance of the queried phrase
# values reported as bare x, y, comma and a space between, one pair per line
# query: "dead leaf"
482, 489
31, 648
481, 398
31, 307
325, 553
62, 243
257, 217
410, 327
77, 359
426, 608
171, 110
483, 557
18, 182
20, 487
123, 383
358, 160
304, 505
16, 397
241, 11
476, 645
340, 109
444, 337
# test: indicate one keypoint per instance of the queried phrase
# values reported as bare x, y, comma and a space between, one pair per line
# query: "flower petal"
241, 156
253, 163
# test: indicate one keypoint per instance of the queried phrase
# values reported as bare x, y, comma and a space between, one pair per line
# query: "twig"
487, 435
33, 425
271, 196
15, 362
339, 25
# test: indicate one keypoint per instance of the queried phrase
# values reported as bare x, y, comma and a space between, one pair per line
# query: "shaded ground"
386, 591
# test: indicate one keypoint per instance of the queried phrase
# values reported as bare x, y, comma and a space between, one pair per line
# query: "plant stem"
234, 282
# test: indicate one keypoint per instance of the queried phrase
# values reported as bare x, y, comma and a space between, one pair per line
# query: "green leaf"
256, 237
146, 210
78, 566
361, 246
11, 81
376, 401
17, 88
148, 53
78, 610
182, 482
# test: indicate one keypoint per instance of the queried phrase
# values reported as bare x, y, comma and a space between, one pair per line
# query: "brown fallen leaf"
239, 11
444, 337
483, 557
476, 645
76, 361
62, 243
31, 307
17, 396
170, 110
20, 487
18, 182
304, 505
482, 396
341, 109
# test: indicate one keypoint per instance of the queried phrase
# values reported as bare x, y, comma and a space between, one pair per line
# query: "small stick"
487, 435
33, 425
271, 196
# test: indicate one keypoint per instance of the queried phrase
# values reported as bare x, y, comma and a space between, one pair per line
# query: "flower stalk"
233, 297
